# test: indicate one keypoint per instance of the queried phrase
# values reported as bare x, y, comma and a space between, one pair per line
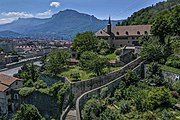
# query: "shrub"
173, 61
176, 86
104, 92
27, 112
109, 114
131, 78
40, 84
124, 106
76, 76
26, 91
92, 109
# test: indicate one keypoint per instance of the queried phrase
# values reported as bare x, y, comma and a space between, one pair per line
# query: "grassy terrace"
171, 69
84, 75
110, 56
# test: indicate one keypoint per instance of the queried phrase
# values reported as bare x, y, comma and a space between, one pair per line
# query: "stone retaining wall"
46, 104
96, 92
80, 87
171, 75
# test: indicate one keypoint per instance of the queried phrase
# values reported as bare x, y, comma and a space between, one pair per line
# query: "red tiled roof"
3, 87
7, 80
102, 33
131, 30
72, 60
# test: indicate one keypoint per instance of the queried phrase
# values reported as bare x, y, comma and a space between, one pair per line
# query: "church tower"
109, 26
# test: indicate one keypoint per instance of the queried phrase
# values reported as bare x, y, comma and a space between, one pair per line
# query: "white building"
8, 85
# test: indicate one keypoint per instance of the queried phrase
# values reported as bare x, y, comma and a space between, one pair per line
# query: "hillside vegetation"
147, 15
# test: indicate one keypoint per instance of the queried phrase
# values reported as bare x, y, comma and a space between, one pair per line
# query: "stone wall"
127, 57
80, 87
171, 75
167, 75
46, 104
96, 92
51, 80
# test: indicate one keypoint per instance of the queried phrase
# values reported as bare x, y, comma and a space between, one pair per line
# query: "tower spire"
109, 22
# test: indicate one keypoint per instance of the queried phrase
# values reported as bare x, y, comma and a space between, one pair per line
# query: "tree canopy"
27, 112
86, 41
147, 15
93, 62
56, 61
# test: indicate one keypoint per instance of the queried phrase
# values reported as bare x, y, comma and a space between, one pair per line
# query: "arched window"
117, 33
145, 32
127, 33
138, 33
101, 32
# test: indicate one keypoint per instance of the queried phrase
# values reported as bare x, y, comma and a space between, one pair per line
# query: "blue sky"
118, 9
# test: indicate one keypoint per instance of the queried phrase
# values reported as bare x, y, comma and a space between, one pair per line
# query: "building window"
113, 45
145, 32
133, 38
138, 33
128, 41
16, 97
127, 33
120, 45
16, 83
121, 38
101, 32
117, 33
7, 93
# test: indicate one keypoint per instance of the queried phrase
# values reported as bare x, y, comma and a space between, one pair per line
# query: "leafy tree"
154, 74
29, 72
104, 92
176, 86
173, 61
159, 96
175, 21
152, 50
119, 94
124, 107
27, 112
86, 41
109, 114
56, 61
161, 28
103, 47
175, 44
40, 84
92, 109
92, 62
131, 78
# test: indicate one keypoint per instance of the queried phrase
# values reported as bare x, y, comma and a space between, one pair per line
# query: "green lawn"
84, 75
175, 70
110, 56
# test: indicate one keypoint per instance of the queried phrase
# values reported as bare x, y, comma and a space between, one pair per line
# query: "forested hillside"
147, 15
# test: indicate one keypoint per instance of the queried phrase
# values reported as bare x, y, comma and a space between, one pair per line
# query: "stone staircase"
71, 115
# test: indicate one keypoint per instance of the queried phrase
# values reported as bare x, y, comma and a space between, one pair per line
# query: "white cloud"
55, 4
44, 14
7, 20
17, 14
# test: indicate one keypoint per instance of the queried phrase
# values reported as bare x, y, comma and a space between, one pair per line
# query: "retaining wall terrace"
171, 75
167, 75
46, 104
96, 92
80, 87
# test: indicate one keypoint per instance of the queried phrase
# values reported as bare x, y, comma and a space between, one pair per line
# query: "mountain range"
63, 25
